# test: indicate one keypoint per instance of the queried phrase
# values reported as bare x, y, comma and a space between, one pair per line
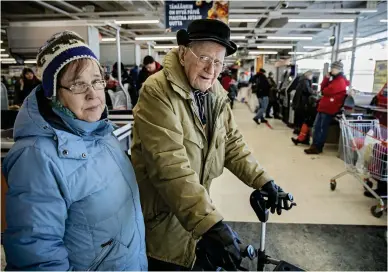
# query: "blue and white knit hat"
59, 50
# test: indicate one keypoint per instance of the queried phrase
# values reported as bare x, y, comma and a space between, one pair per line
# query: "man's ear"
181, 54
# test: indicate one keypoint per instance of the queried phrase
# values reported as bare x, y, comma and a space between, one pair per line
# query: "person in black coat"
261, 87
300, 101
27, 83
150, 67
273, 101
126, 79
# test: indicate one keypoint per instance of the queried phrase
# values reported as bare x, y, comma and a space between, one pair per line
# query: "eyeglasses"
218, 65
80, 88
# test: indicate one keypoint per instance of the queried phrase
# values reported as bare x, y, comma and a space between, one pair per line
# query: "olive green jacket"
175, 161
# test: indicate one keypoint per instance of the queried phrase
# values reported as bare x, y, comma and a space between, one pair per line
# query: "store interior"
336, 228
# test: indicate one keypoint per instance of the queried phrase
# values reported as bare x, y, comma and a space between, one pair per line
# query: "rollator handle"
259, 199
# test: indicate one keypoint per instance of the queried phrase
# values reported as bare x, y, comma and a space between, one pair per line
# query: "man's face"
335, 71
202, 74
151, 67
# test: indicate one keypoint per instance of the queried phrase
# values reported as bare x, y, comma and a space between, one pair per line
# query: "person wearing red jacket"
333, 88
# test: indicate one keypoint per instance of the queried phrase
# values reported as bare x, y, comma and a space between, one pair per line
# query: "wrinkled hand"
273, 196
221, 246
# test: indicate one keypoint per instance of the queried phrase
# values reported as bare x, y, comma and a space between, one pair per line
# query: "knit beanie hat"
59, 50
338, 65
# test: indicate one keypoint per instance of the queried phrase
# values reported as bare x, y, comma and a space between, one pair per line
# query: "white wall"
108, 54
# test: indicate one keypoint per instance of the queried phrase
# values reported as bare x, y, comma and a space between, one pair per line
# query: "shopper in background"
273, 100
150, 67
120, 97
72, 201
300, 101
226, 79
333, 88
134, 73
232, 91
4, 97
260, 86
184, 135
28, 82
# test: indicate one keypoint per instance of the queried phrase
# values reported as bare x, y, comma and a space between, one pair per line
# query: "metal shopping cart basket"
364, 146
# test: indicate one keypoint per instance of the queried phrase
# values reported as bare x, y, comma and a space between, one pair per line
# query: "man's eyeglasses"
218, 65
80, 88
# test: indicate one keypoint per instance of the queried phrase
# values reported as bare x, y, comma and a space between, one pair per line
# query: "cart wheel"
376, 214
333, 185
369, 183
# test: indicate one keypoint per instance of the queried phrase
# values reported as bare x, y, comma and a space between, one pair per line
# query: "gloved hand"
273, 192
219, 247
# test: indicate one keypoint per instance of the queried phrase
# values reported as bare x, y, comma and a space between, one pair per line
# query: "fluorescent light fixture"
31, 61
2, 50
237, 37
156, 38
290, 38
242, 20
4, 55
108, 39
318, 20
7, 59
326, 44
365, 39
368, 11
134, 22
262, 52
1, 41
384, 21
165, 46
298, 53
275, 46
314, 47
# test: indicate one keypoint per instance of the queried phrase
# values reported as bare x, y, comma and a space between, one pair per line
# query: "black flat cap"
207, 30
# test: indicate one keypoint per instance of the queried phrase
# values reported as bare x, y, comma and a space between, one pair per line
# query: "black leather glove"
273, 200
219, 248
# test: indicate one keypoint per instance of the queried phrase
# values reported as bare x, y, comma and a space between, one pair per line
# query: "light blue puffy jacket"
73, 201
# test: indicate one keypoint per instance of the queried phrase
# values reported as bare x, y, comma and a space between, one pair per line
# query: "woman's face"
87, 106
29, 75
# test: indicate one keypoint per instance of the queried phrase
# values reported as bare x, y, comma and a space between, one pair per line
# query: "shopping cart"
364, 146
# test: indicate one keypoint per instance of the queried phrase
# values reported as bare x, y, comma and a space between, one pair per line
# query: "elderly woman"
184, 135
73, 202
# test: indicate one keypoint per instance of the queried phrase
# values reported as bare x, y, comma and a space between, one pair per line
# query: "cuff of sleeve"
209, 221
264, 178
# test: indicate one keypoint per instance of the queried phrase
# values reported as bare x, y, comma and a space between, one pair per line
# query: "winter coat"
73, 202
175, 160
260, 85
273, 89
302, 94
333, 94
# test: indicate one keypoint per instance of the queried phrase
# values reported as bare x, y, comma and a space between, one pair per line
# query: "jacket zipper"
105, 251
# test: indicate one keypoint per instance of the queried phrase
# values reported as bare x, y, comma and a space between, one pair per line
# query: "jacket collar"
175, 74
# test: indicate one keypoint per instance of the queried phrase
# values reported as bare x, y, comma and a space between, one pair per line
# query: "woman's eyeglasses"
218, 65
80, 88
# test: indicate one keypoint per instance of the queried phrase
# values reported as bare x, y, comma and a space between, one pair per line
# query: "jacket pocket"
217, 166
104, 253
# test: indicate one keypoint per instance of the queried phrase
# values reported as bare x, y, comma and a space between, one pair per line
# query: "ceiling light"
156, 38
133, 22
108, 39
314, 47
2, 50
165, 46
4, 55
384, 21
247, 20
298, 53
326, 44
237, 37
365, 39
31, 61
275, 46
368, 11
290, 38
317, 20
262, 52
8, 59
1, 41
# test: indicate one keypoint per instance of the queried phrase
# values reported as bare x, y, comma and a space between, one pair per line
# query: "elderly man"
184, 135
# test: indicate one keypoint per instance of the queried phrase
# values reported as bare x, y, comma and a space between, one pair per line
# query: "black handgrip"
259, 199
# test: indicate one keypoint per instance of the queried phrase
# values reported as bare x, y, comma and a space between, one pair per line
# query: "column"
355, 30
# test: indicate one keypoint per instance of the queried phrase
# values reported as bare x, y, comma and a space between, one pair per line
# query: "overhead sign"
179, 14
380, 76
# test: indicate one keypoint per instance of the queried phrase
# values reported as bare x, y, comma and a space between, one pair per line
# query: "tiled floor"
306, 177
